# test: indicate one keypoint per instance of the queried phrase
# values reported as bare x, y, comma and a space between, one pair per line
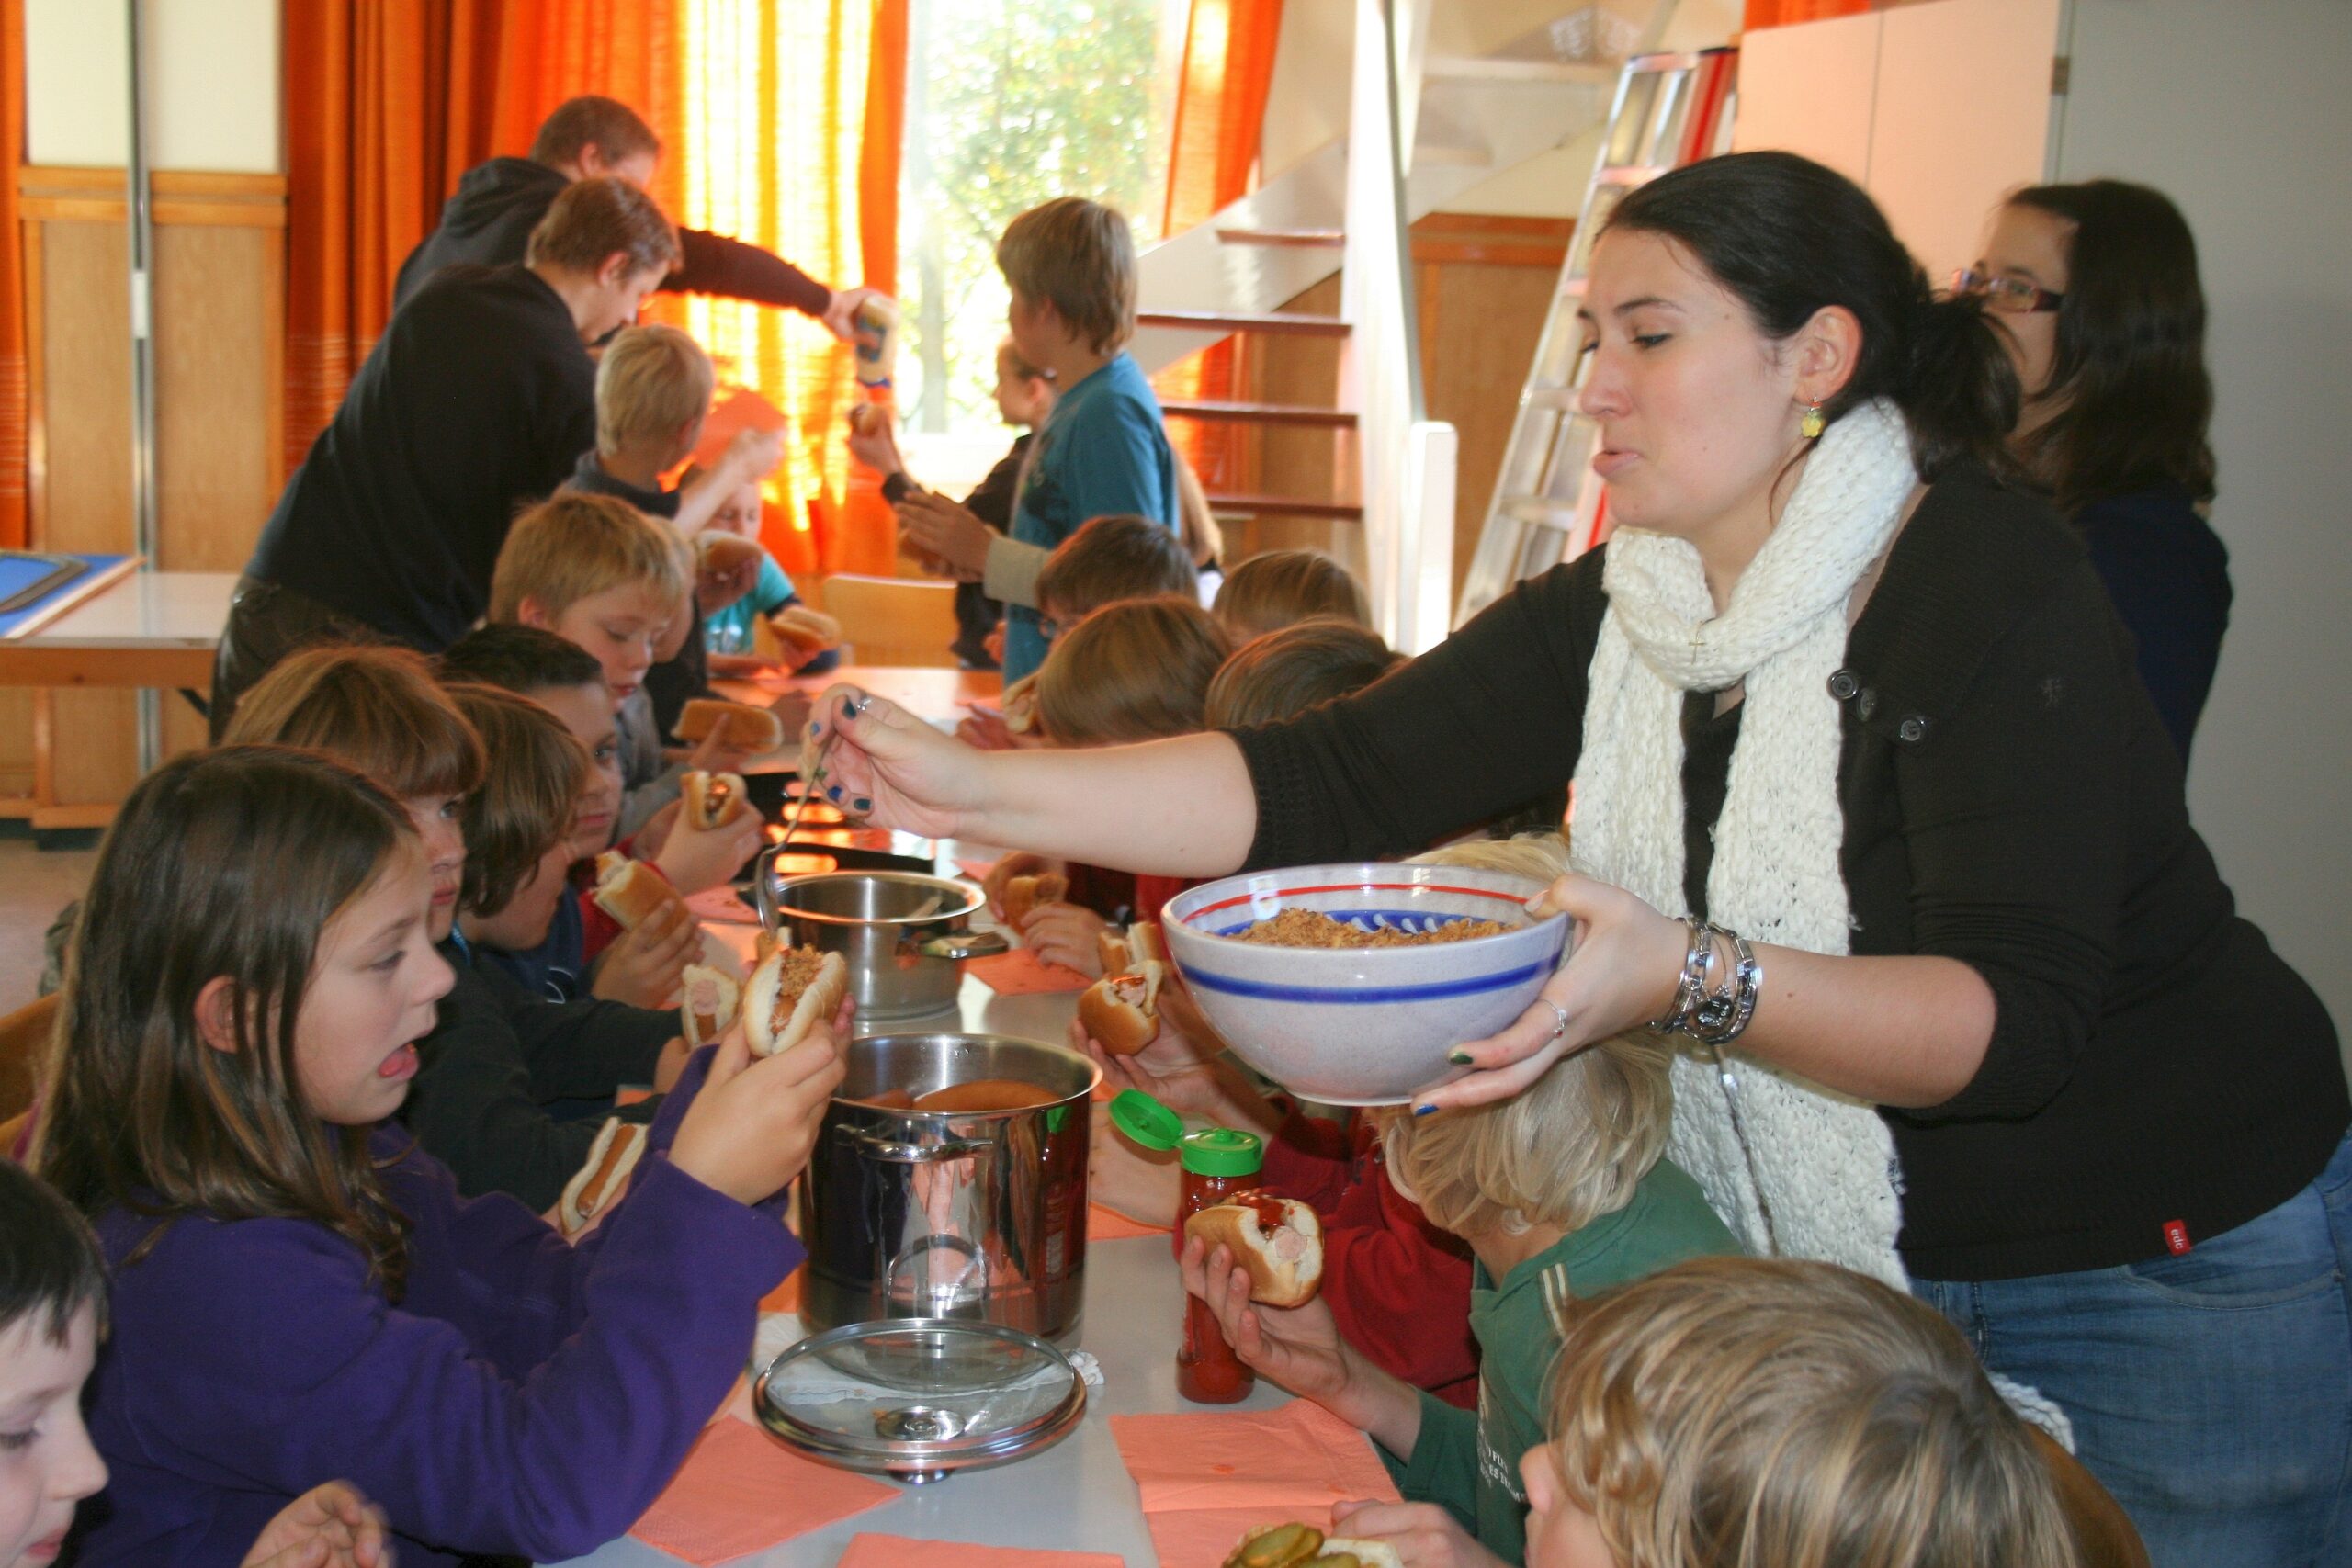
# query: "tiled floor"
34, 884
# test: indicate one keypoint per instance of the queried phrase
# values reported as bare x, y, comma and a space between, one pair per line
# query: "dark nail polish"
816, 728
833, 791
1459, 1058
862, 803
1423, 1110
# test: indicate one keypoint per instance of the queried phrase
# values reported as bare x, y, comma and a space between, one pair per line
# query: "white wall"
212, 94
2239, 112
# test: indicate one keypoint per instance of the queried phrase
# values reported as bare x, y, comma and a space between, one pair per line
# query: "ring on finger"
1559, 1015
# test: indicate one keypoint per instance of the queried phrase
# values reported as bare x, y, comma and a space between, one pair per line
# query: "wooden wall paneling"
219, 316
1321, 463
84, 485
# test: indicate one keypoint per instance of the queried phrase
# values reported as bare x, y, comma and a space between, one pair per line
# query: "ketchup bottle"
1217, 1162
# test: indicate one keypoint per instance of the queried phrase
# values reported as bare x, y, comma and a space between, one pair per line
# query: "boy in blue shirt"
1072, 267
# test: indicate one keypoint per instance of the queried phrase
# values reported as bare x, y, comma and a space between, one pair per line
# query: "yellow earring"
1811, 426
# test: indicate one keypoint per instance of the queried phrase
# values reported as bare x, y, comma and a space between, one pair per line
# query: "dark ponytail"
1789, 237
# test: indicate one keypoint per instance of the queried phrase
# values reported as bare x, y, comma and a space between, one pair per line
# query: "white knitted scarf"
1821, 1165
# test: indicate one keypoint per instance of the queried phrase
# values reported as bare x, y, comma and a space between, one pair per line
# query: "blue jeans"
2211, 1392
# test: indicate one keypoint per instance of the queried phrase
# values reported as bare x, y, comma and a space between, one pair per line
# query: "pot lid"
918, 1398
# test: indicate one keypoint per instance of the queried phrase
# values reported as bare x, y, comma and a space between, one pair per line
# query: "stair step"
1288, 321
1488, 68
1288, 239
1286, 506
1263, 413
1450, 155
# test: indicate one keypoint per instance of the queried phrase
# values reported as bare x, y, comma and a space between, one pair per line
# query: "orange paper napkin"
740, 1491
977, 870
740, 410
869, 1551
1021, 973
1106, 1223
1206, 1477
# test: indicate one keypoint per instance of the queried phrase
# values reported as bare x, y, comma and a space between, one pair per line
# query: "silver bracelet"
1702, 1012
1691, 988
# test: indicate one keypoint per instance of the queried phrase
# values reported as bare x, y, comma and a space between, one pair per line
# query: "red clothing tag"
2176, 1238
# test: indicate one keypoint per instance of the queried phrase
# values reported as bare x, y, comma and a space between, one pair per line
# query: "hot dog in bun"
1121, 951
1122, 1011
629, 890
707, 1003
741, 726
807, 632
1278, 1240
1019, 705
1023, 893
1304, 1546
719, 551
793, 988
613, 1155
712, 800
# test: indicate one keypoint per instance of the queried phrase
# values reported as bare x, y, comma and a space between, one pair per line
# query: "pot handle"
964, 944
892, 1151
763, 891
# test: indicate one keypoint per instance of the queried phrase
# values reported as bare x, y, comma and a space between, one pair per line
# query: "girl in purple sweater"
300, 1293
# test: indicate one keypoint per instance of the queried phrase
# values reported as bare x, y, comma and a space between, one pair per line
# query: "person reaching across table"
488, 219
2006, 1038
478, 399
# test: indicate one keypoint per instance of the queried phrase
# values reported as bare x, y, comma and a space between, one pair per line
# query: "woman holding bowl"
1989, 1022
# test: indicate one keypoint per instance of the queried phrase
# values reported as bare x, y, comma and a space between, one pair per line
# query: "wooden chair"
24, 1045
2103, 1532
893, 620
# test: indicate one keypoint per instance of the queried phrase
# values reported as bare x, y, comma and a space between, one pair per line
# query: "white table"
152, 628
1077, 1495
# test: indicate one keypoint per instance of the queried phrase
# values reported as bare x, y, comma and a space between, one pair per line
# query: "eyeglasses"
2009, 296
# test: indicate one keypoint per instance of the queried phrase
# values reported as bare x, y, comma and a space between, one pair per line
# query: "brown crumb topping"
1312, 928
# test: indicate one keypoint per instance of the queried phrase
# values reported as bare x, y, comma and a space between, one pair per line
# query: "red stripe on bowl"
1206, 910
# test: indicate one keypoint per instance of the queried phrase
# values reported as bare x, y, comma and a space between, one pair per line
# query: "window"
1011, 103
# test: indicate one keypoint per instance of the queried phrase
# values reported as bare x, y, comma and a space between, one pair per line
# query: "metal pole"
142, 354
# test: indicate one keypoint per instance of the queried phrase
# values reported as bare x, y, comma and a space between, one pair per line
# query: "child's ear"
527, 612
216, 1014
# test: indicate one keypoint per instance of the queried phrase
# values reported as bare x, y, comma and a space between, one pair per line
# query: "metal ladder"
1670, 109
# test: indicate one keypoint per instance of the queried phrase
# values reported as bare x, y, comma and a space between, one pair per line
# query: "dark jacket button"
1868, 705
1842, 686
1913, 727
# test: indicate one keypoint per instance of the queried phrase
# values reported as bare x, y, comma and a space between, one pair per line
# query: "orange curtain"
793, 112
1781, 12
1222, 81
16, 452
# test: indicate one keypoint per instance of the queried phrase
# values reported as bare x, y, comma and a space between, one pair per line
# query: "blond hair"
1080, 257
572, 545
1282, 587
1760, 1412
652, 381
1138, 669
591, 221
1571, 1146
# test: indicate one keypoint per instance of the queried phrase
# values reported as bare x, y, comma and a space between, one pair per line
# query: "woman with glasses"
2096, 288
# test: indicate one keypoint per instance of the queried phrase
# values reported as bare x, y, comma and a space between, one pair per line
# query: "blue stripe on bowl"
1371, 995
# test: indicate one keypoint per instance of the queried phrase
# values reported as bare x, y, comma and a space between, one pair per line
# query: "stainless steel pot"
950, 1214
903, 936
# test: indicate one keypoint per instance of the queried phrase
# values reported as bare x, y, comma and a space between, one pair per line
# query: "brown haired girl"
299, 1291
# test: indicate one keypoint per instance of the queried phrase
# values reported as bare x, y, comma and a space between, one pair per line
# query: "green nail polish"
1459, 1058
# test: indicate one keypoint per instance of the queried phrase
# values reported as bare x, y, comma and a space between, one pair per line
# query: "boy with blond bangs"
601, 574
1071, 264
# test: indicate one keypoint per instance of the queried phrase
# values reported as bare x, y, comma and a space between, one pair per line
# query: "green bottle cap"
1222, 1151
1145, 1120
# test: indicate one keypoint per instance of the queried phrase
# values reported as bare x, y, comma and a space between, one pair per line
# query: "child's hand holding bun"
752, 1123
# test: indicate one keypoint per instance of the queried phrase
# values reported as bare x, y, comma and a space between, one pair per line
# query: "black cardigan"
2010, 801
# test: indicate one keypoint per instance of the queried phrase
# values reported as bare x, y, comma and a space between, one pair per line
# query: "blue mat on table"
18, 573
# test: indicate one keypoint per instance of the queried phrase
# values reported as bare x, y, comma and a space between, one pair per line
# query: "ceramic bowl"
1368, 1025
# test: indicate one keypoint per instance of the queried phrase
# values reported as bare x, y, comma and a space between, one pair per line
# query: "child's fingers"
732, 1055
804, 1062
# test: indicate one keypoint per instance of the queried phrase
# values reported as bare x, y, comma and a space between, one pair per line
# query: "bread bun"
1122, 1011
793, 988
1348, 1552
1276, 1546
1019, 705
712, 800
741, 726
810, 631
707, 1003
629, 890
1278, 1240
718, 550
618, 1146
1023, 893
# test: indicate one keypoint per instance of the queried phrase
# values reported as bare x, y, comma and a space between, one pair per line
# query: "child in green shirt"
1561, 1191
